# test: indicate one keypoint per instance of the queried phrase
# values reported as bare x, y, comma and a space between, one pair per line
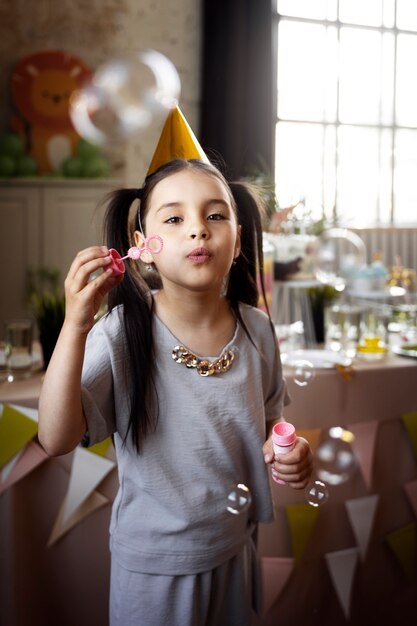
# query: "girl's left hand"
295, 467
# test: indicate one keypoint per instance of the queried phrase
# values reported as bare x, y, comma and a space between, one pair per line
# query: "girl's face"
192, 212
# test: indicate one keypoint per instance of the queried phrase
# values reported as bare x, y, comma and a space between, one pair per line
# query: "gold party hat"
177, 141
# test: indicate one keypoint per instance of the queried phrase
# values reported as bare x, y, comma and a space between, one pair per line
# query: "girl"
187, 378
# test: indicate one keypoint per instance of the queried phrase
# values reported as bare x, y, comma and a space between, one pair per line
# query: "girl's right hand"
83, 296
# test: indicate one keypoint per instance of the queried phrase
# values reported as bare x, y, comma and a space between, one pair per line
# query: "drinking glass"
18, 348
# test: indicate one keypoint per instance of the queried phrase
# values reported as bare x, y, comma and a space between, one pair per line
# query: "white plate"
405, 349
321, 359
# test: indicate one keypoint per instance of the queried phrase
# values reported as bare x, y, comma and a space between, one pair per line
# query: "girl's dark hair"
134, 292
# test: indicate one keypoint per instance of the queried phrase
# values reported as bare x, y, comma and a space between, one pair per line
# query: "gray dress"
171, 533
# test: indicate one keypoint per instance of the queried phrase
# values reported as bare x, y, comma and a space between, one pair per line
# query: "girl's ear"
238, 246
145, 256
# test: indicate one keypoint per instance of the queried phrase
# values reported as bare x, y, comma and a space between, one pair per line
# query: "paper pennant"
275, 572
411, 491
364, 447
22, 464
312, 436
410, 422
342, 566
93, 502
403, 543
16, 429
301, 520
87, 471
361, 512
101, 448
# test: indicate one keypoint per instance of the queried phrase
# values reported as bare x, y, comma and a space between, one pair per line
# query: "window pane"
367, 13
406, 96
407, 14
299, 165
307, 85
360, 76
315, 9
358, 175
387, 76
405, 167
385, 176
388, 19
329, 172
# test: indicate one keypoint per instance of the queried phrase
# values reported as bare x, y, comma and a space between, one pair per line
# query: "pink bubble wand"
117, 263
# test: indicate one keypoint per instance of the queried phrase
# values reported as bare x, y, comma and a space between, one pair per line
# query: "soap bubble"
335, 460
316, 493
304, 372
124, 97
239, 499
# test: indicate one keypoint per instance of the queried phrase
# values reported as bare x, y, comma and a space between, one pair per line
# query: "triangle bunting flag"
275, 573
364, 447
301, 520
16, 430
361, 513
342, 566
410, 422
403, 543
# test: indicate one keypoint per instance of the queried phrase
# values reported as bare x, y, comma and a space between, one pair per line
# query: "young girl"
187, 379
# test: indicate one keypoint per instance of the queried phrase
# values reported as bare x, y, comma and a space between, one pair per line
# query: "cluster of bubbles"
124, 97
335, 464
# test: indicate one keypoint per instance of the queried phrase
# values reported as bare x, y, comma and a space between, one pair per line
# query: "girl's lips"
199, 255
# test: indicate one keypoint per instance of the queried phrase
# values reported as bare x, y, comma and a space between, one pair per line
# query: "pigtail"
134, 294
247, 274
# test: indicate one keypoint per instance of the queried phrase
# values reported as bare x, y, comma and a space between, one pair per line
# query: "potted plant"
48, 305
320, 297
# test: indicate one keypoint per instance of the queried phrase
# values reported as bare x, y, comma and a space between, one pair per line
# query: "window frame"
380, 127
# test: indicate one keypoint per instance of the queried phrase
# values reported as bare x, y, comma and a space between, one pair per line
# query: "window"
346, 130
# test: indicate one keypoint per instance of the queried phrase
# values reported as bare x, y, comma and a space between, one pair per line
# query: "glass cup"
342, 328
18, 340
373, 340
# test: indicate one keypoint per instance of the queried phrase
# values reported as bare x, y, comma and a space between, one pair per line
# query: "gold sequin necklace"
204, 367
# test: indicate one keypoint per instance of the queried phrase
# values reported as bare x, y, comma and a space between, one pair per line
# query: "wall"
98, 31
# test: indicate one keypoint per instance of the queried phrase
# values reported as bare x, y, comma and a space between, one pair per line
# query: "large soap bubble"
124, 97
335, 460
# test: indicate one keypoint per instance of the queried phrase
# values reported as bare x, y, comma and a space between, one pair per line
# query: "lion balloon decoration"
41, 86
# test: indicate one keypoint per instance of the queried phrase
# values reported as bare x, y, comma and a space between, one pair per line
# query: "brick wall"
98, 31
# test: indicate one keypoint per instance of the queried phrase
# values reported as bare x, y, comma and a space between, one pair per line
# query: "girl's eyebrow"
208, 203
169, 205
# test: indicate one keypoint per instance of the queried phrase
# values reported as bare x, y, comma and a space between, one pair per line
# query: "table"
381, 593
67, 584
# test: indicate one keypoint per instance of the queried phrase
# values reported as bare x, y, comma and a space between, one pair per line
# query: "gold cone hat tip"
177, 141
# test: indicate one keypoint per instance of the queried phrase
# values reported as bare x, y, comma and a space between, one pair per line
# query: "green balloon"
95, 168
7, 166
26, 166
72, 167
11, 145
86, 150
